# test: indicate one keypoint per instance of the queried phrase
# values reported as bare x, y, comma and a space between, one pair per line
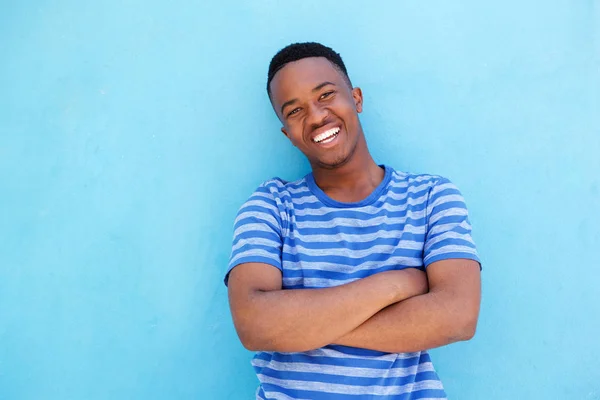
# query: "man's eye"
325, 95
294, 111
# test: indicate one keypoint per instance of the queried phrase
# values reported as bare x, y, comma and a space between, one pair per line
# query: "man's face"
318, 109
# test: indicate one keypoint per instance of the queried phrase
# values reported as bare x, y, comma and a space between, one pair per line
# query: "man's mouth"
327, 136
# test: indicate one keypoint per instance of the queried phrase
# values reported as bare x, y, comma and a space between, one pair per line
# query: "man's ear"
358, 99
287, 136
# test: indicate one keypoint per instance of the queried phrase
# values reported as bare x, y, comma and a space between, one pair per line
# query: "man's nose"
316, 115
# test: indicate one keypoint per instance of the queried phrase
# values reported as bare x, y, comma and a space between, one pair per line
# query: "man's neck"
353, 181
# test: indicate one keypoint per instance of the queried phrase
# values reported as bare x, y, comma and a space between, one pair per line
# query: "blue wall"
131, 131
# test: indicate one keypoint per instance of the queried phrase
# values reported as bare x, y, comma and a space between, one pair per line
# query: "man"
341, 280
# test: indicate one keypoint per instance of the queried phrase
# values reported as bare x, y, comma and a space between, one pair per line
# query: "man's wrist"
410, 282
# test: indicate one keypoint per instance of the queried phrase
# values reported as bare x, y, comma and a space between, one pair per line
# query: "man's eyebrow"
288, 103
322, 85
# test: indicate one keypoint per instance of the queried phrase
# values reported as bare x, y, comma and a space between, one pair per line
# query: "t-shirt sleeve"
448, 228
257, 235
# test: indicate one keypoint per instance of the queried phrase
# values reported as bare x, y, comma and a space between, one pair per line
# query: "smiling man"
341, 280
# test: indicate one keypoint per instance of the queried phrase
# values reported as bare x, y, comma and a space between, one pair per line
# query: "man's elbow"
254, 341
465, 327
252, 345
247, 341
468, 331
253, 331
258, 341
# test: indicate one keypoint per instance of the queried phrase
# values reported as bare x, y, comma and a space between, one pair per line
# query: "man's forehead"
306, 71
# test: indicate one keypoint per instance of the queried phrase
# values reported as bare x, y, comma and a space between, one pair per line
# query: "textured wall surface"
131, 131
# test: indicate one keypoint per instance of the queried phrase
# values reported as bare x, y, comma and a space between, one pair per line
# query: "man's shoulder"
420, 180
280, 191
278, 185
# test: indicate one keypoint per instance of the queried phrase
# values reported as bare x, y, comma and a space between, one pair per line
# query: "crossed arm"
392, 311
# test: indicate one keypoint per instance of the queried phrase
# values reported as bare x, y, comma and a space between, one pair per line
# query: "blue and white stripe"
316, 242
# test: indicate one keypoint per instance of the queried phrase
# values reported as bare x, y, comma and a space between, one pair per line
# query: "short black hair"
298, 51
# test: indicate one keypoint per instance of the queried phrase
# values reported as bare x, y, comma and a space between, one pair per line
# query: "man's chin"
333, 163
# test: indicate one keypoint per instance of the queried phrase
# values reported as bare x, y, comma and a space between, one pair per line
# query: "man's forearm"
418, 323
306, 319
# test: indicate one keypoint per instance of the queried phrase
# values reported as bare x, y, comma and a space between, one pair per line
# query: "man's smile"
326, 136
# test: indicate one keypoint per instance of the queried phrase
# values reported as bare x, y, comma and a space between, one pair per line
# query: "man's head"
313, 97
298, 51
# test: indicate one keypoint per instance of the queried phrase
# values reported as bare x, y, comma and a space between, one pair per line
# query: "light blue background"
131, 131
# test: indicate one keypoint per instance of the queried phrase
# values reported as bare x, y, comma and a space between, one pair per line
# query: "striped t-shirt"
317, 242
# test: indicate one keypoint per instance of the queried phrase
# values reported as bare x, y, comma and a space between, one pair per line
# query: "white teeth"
326, 135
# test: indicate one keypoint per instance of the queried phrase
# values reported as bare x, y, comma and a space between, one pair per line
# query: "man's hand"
447, 313
411, 281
